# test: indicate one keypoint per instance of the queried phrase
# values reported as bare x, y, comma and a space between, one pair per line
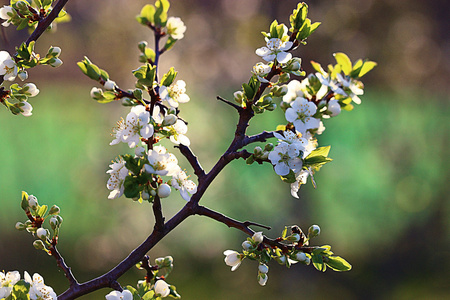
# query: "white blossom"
4, 11
285, 158
185, 186
295, 142
136, 126
301, 115
116, 295
294, 91
175, 28
7, 281
174, 94
38, 290
177, 133
261, 70
233, 259
118, 173
275, 51
351, 87
263, 268
161, 162
162, 288
301, 178
8, 67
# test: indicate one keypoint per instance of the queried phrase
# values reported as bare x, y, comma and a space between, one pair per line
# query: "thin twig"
237, 107
61, 263
157, 211
262, 137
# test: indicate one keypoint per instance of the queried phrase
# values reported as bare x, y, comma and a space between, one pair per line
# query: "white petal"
282, 169
283, 57
263, 51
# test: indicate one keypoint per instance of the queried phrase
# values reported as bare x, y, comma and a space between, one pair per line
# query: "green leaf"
249, 92
321, 151
145, 75
131, 187
173, 292
20, 290
316, 161
318, 263
42, 210
339, 264
162, 7
345, 62
24, 203
273, 29
169, 77
149, 295
367, 66
147, 15
316, 66
284, 233
133, 164
313, 27
289, 178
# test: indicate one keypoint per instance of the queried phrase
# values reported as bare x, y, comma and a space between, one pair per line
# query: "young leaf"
345, 62
339, 264
318, 263
367, 66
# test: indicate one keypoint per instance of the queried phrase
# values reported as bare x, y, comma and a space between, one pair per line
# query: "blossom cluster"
287, 251
31, 287
140, 127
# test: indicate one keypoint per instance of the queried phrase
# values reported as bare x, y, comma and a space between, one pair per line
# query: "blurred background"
381, 204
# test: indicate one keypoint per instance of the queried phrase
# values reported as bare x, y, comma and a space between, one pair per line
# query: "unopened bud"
280, 259
109, 85
41, 233
300, 256
246, 245
23, 75
258, 237
96, 93
164, 190
55, 62
169, 120
39, 245
20, 226
268, 147
238, 96
142, 46
32, 202
313, 231
54, 210
295, 237
145, 195
263, 268
54, 52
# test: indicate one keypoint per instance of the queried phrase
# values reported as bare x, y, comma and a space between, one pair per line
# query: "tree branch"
193, 161
43, 25
61, 263
157, 211
237, 107
262, 137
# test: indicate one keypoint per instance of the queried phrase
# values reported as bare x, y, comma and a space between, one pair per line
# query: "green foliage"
169, 77
154, 15
301, 26
92, 71
146, 75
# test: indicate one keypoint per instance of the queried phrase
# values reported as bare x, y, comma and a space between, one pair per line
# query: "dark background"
381, 203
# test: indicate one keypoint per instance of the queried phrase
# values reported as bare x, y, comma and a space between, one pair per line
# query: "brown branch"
262, 137
157, 211
237, 107
193, 161
61, 263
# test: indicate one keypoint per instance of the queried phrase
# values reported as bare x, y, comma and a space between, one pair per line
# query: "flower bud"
109, 85
246, 245
29, 89
145, 195
39, 245
238, 96
334, 108
164, 190
295, 237
258, 237
257, 151
32, 202
54, 222
262, 279
268, 147
41, 233
54, 52
263, 268
96, 93
300, 256
313, 231
153, 193
20, 226
25, 108
142, 46
23, 75
162, 288
54, 210
127, 101
280, 259
169, 120
55, 62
